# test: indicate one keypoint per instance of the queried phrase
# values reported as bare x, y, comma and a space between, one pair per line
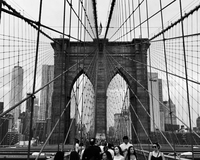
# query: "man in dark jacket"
92, 152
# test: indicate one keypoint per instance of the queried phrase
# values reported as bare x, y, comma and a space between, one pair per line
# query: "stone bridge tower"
100, 73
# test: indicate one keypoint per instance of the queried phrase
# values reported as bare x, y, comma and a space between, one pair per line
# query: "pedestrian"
102, 145
92, 152
81, 149
131, 154
156, 154
125, 145
111, 150
118, 153
76, 146
106, 156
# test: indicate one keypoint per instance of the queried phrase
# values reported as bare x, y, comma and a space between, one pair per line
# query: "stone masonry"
100, 73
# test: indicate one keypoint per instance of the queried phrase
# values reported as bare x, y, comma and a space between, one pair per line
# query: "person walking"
92, 152
118, 153
81, 150
125, 145
156, 154
106, 156
110, 149
76, 146
131, 154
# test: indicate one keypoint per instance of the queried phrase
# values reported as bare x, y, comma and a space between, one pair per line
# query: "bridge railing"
143, 154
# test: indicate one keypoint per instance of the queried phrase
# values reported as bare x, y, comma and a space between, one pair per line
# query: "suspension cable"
57, 122
167, 76
133, 108
153, 96
144, 21
145, 110
25, 99
34, 81
186, 76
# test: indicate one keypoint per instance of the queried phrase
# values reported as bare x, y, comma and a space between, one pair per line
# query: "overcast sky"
52, 10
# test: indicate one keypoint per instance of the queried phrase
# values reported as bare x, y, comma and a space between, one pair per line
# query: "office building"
168, 117
155, 100
16, 96
198, 123
46, 93
25, 117
44, 110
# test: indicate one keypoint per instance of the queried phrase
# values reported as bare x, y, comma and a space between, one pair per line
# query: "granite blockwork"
133, 68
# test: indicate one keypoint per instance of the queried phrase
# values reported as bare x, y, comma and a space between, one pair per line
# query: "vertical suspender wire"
140, 49
192, 64
77, 67
61, 78
125, 40
80, 39
186, 76
3, 43
166, 67
120, 21
10, 71
77, 82
123, 19
34, 80
149, 51
129, 11
82, 105
198, 88
140, 18
83, 77
117, 17
126, 20
120, 18
133, 18
67, 54
170, 33
81, 26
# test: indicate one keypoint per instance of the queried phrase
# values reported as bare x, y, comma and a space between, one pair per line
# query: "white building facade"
16, 96
155, 98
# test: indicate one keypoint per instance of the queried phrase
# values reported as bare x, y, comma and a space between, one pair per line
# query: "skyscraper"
3, 125
46, 93
162, 113
155, 98
167, 112
198, 123
16, 95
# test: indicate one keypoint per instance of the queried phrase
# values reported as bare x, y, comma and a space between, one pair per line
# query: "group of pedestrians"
107, 151
104, 151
